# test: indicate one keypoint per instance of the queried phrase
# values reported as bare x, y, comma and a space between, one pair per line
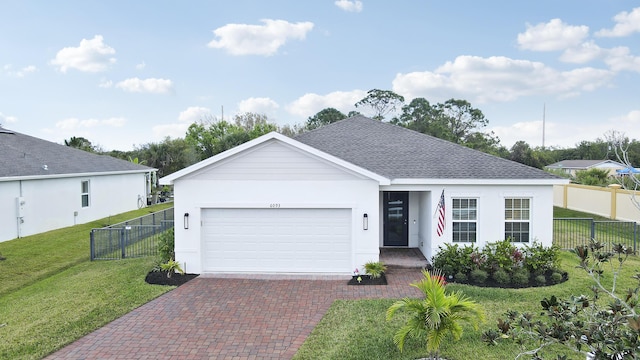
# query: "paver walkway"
228, 318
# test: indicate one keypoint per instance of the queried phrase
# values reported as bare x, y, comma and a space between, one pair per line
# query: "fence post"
635, 236
593, 229
122, 245
92, 246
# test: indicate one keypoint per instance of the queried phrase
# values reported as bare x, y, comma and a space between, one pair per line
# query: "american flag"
440, 211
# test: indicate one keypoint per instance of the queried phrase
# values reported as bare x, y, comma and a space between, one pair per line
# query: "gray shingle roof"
23, 156
398, 153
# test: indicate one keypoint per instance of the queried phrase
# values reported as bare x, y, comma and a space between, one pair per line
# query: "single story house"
327, 200
46, 186
572, 166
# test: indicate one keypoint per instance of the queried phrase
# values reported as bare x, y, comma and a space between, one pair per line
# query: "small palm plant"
375, 269
171, 267
435, 316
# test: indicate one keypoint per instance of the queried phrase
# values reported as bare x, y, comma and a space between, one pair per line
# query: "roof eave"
60, 176
406, 181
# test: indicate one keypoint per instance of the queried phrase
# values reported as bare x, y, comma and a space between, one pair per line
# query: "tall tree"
80, 143
381, 101
324, 117
215, 137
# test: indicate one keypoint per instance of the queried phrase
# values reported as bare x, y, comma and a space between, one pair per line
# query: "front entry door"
396, 225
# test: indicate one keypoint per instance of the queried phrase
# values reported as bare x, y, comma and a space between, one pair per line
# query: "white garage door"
276, 240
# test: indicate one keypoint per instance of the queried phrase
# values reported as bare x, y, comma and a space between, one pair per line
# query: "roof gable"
27, 156
247, 153
399, 153
586, 164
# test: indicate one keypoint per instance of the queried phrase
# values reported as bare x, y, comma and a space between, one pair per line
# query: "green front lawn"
52, 294
358, 330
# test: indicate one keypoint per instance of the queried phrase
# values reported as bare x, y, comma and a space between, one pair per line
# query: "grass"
52, 294
357, 329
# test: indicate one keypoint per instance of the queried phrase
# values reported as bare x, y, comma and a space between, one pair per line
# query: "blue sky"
125, 73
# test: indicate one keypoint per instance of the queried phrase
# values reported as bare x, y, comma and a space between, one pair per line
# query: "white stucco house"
46, 186
571, 167
327, 200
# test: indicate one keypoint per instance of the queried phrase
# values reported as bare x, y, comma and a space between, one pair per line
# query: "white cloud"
262, 105
351, 6
21, 72
583, 53
6, 119
566, 135
151, 85
627, 23
91, 56
75, 123
244, 39
194, 114
173, 131
620, 59
106, 84
310, 104
551, 36
141, 66
496, 78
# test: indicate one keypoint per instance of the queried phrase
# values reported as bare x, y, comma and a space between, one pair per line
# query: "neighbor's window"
465, 216
517, 216
85, 193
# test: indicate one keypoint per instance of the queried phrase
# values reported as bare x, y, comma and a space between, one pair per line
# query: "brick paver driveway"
227, 318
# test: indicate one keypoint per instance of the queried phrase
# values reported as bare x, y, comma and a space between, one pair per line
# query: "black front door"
396, 211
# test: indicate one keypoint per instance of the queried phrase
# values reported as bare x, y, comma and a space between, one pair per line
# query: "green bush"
501, 277
540, 280
460, 277
500, 255
539, 259
166, 246
453, 259
556, 277
520, 277
479, 276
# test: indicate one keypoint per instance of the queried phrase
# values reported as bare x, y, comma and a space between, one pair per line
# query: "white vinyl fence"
611, 202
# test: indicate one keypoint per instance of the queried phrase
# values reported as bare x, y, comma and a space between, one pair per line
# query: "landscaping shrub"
453, 259
539, 259
166, 246
556, 277
479, 276
520, 277
501, 277
501, 260
460, 277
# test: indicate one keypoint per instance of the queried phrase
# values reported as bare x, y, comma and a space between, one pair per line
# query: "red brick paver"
227, 318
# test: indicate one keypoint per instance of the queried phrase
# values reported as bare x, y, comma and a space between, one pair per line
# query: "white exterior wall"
191, 196
53, 203
490, 222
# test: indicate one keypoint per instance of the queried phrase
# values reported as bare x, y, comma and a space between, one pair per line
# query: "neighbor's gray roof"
26, 156
398, 153
582, 164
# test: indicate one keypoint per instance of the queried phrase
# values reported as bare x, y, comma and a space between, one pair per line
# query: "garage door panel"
276, 240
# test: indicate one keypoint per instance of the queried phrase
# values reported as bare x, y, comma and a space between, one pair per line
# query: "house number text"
274, 206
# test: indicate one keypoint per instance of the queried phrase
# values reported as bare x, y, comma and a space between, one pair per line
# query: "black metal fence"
571, 232
133, 238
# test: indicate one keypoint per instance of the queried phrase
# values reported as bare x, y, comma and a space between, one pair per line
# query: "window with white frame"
517, 216
464, 219
84, 193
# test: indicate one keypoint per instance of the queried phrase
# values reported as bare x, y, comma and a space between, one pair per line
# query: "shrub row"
500, 263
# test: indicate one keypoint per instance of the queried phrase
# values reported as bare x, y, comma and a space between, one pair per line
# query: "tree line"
454, 120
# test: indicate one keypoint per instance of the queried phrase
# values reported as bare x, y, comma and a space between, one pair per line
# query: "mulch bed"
368, 280
160, 278
532, 283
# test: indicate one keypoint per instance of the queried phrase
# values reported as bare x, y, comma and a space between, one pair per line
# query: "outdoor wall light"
186, 220
365, 222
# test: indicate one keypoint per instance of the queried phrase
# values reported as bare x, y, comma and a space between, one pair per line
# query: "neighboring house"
46, 186
327, 200
572, 166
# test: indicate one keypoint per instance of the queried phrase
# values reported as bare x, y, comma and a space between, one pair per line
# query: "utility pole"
544, 113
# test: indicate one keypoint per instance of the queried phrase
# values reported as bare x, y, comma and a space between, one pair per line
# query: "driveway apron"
229, 318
